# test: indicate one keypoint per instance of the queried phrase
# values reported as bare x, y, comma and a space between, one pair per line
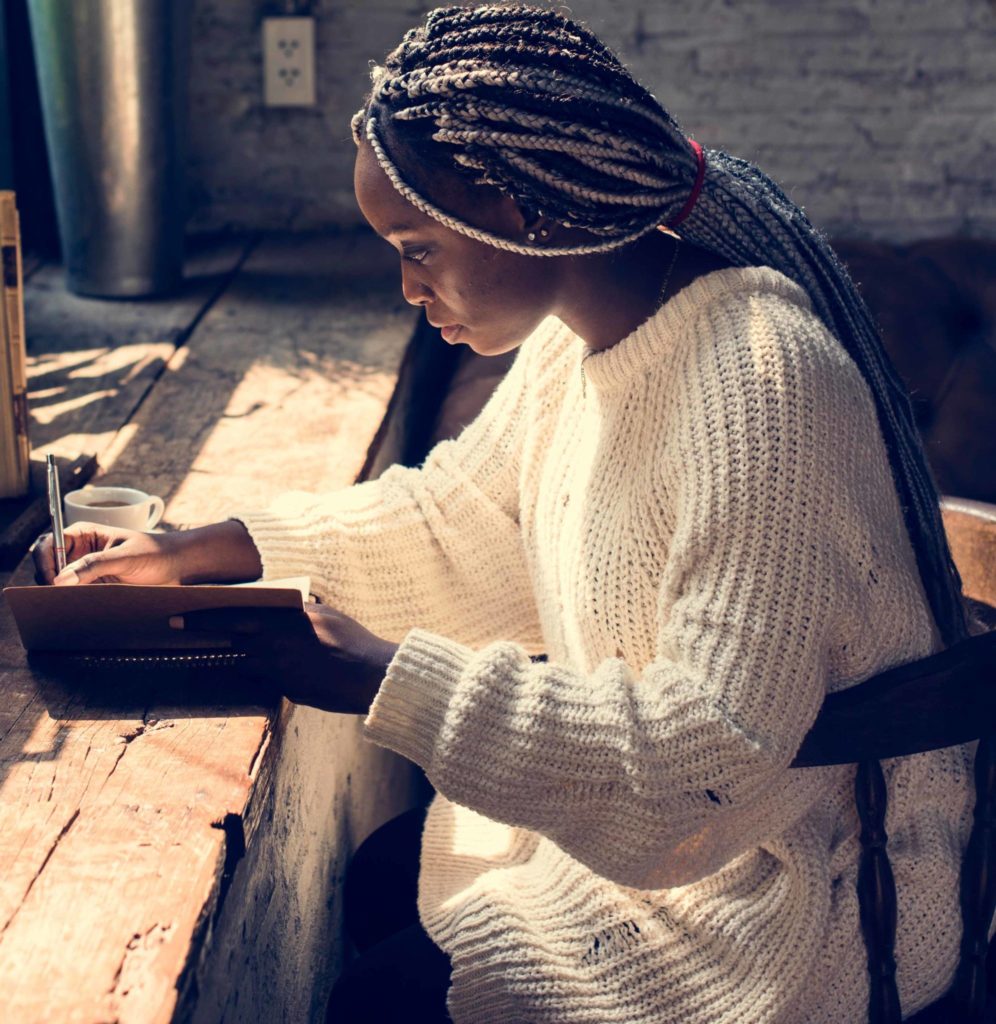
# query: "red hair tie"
696, 189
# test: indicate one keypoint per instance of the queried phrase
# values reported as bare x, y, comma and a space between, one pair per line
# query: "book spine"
9, 439
12, 290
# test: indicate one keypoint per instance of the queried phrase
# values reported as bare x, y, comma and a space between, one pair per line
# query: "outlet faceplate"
289, 62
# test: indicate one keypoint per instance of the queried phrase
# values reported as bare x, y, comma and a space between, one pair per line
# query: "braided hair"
530, 102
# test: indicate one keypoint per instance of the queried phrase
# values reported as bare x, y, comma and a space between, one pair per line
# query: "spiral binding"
208, 659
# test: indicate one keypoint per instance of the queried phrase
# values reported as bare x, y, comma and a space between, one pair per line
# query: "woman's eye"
415, 255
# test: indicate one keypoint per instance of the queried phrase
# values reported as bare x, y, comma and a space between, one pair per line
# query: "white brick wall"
877, 116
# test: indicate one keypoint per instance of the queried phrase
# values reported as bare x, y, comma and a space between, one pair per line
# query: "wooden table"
181, 861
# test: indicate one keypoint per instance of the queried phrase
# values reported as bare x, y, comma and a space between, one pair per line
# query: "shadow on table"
274, 306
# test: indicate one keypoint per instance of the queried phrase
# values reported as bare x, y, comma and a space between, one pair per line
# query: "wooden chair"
940, 701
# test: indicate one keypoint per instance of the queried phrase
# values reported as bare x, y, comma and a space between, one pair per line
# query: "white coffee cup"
113, 506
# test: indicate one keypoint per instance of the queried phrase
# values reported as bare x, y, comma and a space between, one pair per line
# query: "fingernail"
66, 578
176, 622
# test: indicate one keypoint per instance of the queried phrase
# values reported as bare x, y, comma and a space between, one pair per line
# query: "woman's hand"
221, 553
321, 658
108, 554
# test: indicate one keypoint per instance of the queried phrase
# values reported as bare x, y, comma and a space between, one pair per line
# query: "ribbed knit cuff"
409, 711
285, 549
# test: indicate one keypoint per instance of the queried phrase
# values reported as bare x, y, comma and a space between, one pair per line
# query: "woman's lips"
451, 332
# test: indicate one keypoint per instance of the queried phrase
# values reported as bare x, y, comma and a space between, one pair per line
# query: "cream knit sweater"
704, 538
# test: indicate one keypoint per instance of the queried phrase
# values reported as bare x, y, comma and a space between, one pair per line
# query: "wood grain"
92, 361
119, 810
292, 372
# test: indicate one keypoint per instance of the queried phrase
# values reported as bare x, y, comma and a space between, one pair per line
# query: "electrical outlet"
289, 62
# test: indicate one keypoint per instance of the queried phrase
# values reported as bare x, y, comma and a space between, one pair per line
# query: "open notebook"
117, 623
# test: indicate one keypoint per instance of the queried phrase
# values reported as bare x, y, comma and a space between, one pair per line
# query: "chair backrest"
946, 699
971, 530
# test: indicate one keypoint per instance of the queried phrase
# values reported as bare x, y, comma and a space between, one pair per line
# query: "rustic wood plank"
117, 813
971, 531
91, 361
117, 827
292, 366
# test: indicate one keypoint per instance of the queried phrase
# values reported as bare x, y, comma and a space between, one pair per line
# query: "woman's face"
483, 297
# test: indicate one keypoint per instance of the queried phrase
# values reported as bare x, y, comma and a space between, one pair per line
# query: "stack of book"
14, 447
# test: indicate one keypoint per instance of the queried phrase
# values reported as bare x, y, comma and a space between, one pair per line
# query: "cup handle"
156, 509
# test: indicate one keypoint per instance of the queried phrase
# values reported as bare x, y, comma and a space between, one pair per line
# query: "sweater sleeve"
632, 771
437, 545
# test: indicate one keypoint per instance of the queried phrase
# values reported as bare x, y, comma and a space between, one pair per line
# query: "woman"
698, 491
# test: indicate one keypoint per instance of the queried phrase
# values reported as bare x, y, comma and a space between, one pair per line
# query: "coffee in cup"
127, 507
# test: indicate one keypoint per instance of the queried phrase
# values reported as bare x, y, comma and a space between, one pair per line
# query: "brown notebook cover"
121, 618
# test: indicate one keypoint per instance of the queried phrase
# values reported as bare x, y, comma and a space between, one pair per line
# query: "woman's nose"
417, 292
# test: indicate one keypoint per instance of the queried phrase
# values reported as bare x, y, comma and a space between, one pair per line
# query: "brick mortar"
877, 116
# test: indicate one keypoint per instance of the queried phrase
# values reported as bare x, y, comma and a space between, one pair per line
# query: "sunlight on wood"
52, 362
125, 361
71, 446
41, 742
178, 359
261, 451
94, 390
124, 438
112, 802
40, 393
50, 413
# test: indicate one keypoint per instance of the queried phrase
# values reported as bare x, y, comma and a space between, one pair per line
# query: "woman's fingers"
78, 542
43, 554
80, 570
91, 567
319, 656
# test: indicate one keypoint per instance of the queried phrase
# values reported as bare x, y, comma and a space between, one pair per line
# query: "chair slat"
936, 702
940, 701
978, 891
877, 895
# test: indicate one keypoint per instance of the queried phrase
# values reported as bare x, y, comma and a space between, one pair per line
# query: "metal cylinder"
113, 82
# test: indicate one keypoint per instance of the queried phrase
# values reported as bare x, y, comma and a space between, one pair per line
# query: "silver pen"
55, 511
